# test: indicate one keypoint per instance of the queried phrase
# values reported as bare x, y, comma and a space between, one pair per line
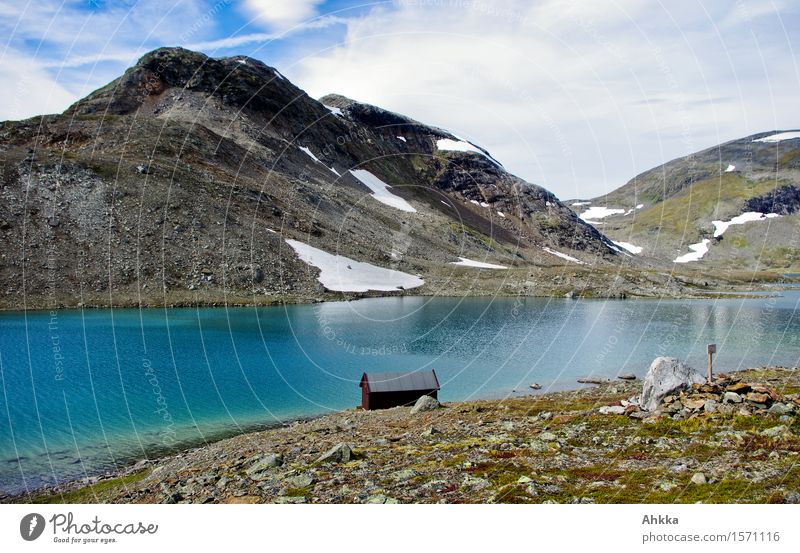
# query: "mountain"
193, 180
732, 207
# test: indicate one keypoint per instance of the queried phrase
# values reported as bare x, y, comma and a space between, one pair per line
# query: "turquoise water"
87, 392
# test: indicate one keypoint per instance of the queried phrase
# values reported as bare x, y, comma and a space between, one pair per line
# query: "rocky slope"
736, 441
181, 181
668, 208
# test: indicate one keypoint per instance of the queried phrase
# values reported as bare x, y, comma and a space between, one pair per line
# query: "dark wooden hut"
391, 389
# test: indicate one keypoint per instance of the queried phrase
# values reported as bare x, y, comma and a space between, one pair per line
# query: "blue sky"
577, 96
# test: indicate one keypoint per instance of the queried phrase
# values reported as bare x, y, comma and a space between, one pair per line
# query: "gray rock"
535, 386
699, 478
300, 481
431, 431
266, 463
667, 376
711, 406
731, 397
425, 403
627, 376
340, 453
612, 410
548, 437
405, 474
781, 409
775, 431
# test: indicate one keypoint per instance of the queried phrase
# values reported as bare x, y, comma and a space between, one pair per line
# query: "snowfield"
562, 255
342, 274
779, 136
309, 154
380, 191
721, 226
630, 247
730, 168
464, 262
697, 253
596, 212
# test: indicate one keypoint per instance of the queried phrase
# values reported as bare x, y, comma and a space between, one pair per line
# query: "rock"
694, 403
699, 478
340, 453
265, 463
430, 431
731, 397
143, 169
775, 431
570, 295
405, 474
627, 376
666, 376
757, 397
524, 480
738, 387
778, 409
593, 380
548, 437
300, 481
711, 406
291, 500
535, 386
612, 410
425, 403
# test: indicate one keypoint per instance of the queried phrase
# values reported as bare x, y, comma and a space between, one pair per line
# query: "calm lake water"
86, 392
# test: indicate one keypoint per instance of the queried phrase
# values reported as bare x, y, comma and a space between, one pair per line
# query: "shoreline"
565, 416
766, 287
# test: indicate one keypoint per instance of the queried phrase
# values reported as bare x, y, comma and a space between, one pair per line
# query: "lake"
85, 392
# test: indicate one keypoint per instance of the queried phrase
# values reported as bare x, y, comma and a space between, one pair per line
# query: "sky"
576, 96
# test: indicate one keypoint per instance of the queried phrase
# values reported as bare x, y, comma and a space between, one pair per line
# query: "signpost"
712, 349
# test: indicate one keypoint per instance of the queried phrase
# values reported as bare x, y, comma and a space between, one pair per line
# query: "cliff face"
180, 181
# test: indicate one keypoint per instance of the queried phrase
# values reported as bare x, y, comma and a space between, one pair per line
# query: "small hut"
391, 389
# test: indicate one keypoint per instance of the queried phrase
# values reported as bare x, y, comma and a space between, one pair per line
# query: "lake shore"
562, 447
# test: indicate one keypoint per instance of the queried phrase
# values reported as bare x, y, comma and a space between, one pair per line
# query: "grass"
719, 197
95, 493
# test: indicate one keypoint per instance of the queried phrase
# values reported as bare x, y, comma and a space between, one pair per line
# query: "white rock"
666, 376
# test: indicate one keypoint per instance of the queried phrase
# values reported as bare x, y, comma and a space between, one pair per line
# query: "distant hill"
750, 187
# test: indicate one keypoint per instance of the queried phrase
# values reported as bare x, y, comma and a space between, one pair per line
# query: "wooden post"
712, 349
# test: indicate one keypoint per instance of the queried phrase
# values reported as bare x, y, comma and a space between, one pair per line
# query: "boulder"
666, 376
612, 410
425, 403
731, 397
781, 409
340, 453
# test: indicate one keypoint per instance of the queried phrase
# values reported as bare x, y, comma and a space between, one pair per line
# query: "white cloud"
578, 99
28, 89
281, 15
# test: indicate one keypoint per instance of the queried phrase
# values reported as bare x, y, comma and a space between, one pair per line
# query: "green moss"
298, 492
703, 201
96, 493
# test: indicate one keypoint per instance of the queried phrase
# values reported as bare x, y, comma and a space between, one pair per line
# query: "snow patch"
697, 253
243, 62
380, 190
598, 212
401, 138
464, 262
779, 136
578, 204
721, 226
639, 206
342, 274
484, 204
730, 168
462, 146
335, 172
562, 255
501, 214
630, 247
309, 154
335, 111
